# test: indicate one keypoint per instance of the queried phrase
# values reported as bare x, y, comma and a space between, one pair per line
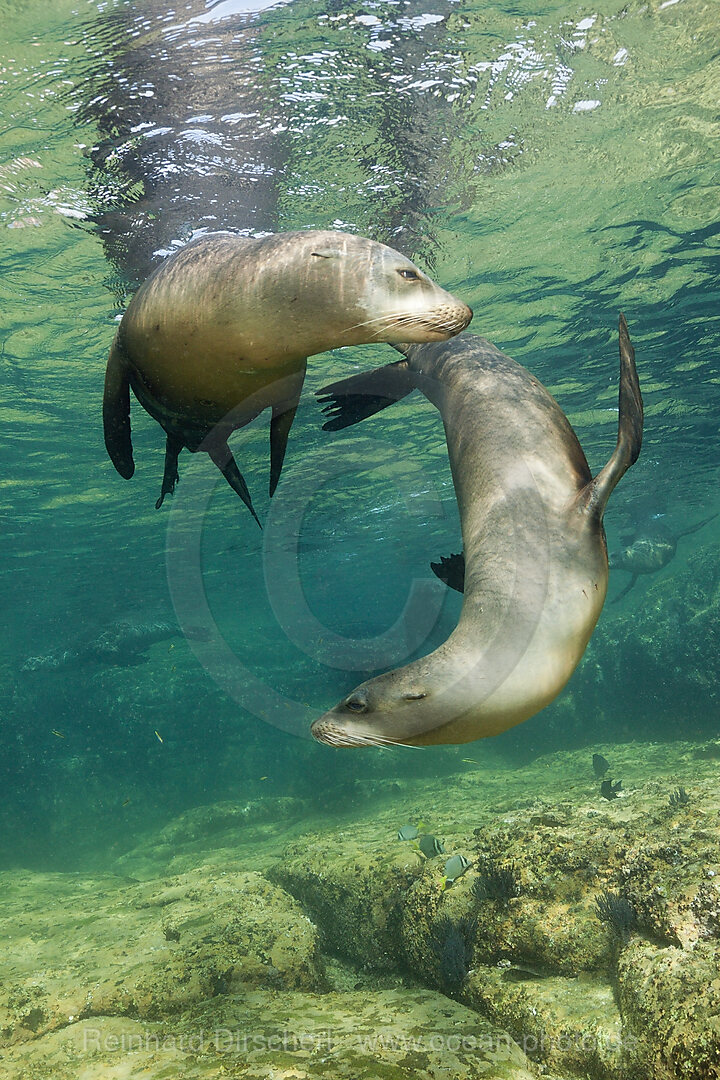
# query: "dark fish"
455, 867
431, 846
600, 765
609, 790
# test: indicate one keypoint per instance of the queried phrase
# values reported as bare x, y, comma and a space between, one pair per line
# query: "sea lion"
222, 330
649, 552
121, 643
536, 566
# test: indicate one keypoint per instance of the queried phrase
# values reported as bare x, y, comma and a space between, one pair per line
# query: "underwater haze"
551, 165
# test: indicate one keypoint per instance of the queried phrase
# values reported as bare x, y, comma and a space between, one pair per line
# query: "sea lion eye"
409, 275
416, 695
356, 703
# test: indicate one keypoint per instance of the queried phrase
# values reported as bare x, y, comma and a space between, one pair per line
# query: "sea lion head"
645, 555
396, 708
385, 295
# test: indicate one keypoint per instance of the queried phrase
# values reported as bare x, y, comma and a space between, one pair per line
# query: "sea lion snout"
402, 715
332, 734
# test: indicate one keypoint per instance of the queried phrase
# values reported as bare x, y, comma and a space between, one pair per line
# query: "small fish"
408, 832
470, 761
159, 736
455, 867
431, 846
263, 777
608, 790
600, 765
58, 733
126, 802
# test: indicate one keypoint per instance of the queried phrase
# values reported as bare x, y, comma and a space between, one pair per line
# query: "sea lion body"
123, 643
536, 567
645, 555
650, 552
222, 330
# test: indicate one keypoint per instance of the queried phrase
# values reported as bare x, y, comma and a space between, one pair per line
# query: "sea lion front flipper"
173, 446
626, 590
354, 399
221, 455
280, 425
630, 427
116, 413
451, 570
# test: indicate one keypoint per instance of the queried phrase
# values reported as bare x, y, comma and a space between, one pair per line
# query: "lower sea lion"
536, 566
223, 328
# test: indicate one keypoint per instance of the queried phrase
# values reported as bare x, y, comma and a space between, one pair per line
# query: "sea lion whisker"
408, 322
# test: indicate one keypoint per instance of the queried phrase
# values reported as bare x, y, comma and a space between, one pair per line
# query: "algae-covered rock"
385, 1035
220, 947
77, 947
225, 828
356, 891
670, 1000
539, 961
572, 1025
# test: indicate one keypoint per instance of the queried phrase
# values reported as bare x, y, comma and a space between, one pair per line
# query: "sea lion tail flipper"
354, 399
279, 430
696, 526
173, 446
221, 455
451, 570
116, 413
630, 428
626, 590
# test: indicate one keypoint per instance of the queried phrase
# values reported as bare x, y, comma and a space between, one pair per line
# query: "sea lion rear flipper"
116, 413
354, 399
696, 526
630, 427
173, 446
221, 455
279, 430
626, 590
451, 570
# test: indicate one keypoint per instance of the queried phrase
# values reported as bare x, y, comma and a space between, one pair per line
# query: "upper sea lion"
223, 328
536, 566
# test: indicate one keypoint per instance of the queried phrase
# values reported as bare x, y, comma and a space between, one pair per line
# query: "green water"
551, 166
